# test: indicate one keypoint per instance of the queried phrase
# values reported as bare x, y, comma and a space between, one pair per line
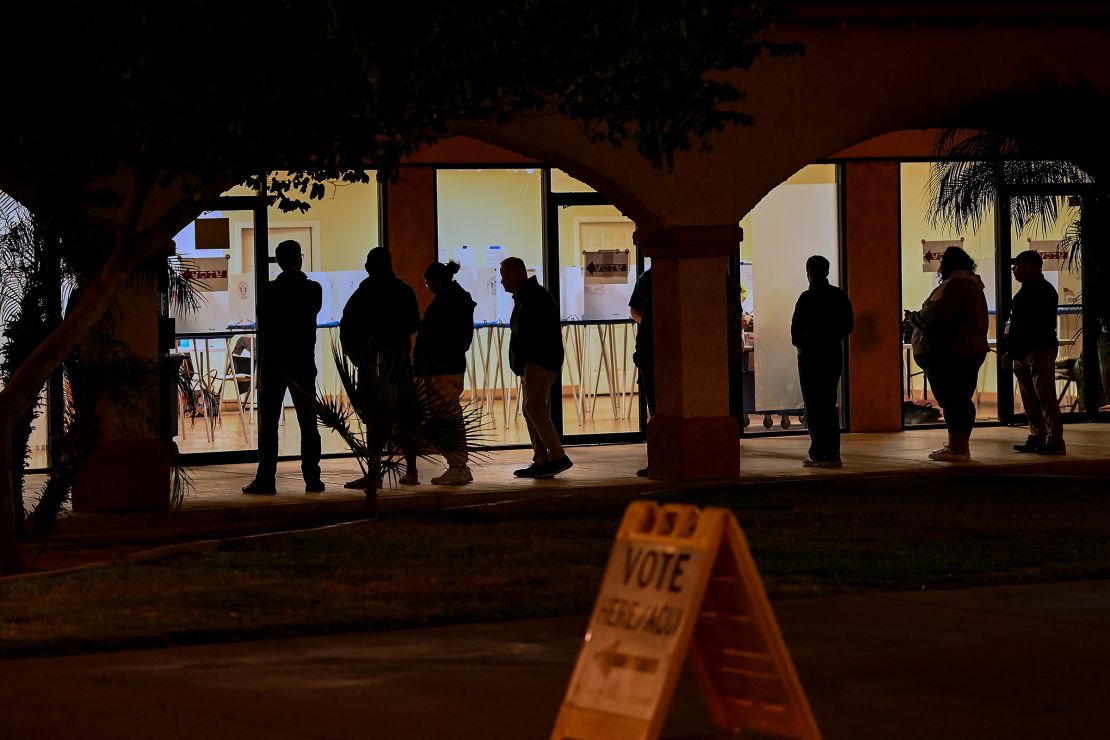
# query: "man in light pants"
536, 355
1031, 346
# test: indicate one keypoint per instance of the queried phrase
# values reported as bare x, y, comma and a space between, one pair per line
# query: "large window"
921, 243
217, 342
12, 212
794, 221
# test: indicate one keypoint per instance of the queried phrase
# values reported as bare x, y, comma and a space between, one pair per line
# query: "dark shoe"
642, 473
316, 486
809, 462
1053, 449
260, 488
410, 479
1030, 445
530, 471
832, 462
364, 483
553, 468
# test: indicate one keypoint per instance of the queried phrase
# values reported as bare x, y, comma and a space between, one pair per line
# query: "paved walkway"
216, 508
1011, 662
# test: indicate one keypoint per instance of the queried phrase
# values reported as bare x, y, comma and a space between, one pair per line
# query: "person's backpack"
919, 412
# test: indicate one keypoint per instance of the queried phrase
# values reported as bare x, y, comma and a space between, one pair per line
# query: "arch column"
692, 436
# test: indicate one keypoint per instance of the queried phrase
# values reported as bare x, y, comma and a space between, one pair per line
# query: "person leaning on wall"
950, 344
1031, 345
439, 357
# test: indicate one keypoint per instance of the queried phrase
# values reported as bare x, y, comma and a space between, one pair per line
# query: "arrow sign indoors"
611, 658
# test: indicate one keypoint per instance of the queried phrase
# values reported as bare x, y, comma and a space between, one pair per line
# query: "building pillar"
873, 260
129, 470
691, 436
410, 228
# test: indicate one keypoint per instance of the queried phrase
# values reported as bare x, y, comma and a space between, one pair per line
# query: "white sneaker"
944, 454
454, 477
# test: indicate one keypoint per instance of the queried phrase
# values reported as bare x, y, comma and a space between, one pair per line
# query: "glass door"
592, 268
212, 350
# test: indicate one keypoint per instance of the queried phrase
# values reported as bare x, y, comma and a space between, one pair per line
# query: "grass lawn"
545, 559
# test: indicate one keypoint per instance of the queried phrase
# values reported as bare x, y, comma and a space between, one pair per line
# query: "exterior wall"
873, 261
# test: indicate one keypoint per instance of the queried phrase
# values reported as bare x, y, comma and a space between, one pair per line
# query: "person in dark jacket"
376, 331
287, 338
950, 343
440, 354
822, 321
536, 355
1031, 344
640, 309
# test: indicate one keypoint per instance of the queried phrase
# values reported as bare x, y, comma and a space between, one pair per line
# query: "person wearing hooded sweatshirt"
950, 343
440, 354
376, 332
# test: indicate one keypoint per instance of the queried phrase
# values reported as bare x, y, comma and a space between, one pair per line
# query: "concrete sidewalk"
1009, 662
598, 470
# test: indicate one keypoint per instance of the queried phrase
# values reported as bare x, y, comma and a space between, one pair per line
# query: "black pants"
819, 377
954, 380
272, 383
646, 365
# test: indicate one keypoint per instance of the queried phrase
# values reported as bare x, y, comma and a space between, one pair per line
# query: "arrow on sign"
611, 657
614, 268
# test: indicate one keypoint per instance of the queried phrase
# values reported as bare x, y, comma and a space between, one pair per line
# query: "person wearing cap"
1030, 343
287, 309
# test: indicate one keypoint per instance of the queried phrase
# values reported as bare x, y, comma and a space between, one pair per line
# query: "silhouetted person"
376, 332
287, 308
949, 344
822, 321
536, 355
1031, 345
440, 356
640, 309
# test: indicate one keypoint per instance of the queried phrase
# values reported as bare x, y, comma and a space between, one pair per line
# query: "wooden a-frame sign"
681, 579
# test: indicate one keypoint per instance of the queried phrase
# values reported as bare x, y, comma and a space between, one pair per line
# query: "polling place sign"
932, 251
680, 580
605, 266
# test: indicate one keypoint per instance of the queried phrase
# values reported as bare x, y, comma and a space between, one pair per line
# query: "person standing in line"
440, 355
950, 343
1031, 346
536, 355
287, 311
376, 332
822, 321
639, 308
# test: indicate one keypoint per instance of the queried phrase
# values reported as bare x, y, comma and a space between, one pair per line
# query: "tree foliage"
328, 89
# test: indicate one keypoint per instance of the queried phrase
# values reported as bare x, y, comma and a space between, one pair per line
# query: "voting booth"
681, 581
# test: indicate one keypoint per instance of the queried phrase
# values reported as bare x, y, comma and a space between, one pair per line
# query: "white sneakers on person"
945, 454
454, 477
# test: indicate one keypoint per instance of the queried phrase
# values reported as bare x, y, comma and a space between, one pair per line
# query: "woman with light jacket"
949, 344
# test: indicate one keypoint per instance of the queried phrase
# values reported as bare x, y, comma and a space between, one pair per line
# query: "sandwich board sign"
681, 580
